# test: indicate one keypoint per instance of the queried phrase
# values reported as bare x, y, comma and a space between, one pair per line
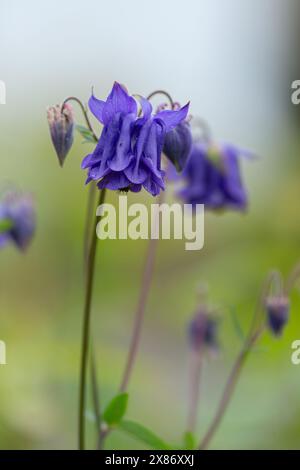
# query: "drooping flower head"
212, 177
17, 220
277, 308
128, 154
61, 125
178, 144
202, 330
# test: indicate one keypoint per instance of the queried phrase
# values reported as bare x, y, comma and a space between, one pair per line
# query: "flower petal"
96, 106
114, 180
172, 118
118, 101
121, 158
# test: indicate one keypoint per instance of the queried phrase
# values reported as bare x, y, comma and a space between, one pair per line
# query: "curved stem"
84, 111
293, 277
162, 92
86, 326
95, 394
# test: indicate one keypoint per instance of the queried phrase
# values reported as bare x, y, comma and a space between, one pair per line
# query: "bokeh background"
235, 61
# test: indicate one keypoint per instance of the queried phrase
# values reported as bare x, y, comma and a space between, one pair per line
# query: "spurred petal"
96, 106
172, 118
118, 101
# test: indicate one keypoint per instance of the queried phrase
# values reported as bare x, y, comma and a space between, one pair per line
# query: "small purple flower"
17, 219
212, 177
128, 154
278, 308
203, 331
61, 124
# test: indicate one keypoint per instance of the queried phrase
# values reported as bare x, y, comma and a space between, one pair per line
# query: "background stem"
195, 366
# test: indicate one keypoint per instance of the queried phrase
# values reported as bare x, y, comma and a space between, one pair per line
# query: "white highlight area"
2, 353
159, 221
2, 92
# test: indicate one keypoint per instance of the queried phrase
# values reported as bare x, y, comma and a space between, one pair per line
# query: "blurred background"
235, 62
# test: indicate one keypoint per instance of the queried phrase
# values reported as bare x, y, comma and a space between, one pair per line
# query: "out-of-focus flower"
61, 125
17, 220
277, 308
202, 331
212, 177
128, 154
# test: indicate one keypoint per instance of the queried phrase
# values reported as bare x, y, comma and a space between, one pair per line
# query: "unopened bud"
61, 124
278, 308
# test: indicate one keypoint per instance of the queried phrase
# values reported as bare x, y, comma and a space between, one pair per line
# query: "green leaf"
189, 440
5, 225
116, 409
143, 434
86, 134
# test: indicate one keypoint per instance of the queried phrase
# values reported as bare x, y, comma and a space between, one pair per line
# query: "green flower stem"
86, 325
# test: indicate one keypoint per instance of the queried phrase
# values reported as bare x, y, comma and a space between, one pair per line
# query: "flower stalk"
86, 326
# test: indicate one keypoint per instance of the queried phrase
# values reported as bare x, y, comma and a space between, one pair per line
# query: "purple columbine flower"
17, 220
203, 331
278, 308
61, 125
213, 178
128, 154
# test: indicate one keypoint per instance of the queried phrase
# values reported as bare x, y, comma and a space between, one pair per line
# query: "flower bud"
178, 145
61, 124
278, 309
203, 331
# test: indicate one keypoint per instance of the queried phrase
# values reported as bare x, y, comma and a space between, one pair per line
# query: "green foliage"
116, 409
5, 225
189, 440
144, 435
86, 134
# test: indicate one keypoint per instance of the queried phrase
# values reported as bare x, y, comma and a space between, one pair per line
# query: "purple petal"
152, 187
118, 101
96, 106
172, 118
114, 181
136, 173
123, 152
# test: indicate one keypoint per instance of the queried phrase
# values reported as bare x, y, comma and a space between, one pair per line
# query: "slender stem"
84, 111
293, 277
194, 392
162, 92
90, 211
141, 307
229, 388
86, 326
95, 394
